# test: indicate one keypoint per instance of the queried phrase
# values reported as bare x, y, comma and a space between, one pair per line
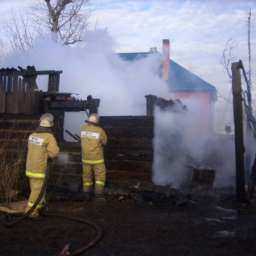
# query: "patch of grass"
11, 172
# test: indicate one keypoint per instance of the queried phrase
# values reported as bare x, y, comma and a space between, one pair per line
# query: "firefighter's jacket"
41, 146
93, 138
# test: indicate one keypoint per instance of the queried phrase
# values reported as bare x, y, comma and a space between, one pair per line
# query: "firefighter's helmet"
47, 120
94, 118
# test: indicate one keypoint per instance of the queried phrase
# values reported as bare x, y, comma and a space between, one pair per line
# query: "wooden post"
53, 82
151, 101
239, 136
2, 97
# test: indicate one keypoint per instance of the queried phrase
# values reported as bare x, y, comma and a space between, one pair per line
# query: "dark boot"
100, 198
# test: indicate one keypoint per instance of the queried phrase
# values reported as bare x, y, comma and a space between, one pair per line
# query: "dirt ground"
199, 226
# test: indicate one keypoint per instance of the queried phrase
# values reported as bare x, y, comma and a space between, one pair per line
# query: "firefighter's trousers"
94, 176
36, 185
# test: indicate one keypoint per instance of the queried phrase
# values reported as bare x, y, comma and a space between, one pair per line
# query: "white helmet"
94, 118
46, 120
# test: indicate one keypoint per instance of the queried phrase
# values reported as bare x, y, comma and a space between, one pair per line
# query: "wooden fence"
16, 95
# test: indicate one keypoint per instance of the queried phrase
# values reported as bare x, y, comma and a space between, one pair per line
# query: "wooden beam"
239, 136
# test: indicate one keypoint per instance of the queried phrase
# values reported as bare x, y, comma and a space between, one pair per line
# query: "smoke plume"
93, 68
180, 145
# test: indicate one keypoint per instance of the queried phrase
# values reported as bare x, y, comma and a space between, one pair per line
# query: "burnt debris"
163, 104
129, 153
19, 94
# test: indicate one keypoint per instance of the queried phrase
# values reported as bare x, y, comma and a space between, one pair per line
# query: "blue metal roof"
180, 79
131, 56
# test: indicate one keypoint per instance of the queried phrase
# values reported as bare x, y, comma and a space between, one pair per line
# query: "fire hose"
65, 251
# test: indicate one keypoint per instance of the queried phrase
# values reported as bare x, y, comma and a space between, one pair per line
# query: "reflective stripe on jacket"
41, 146
93, 138
34, 174
101, 161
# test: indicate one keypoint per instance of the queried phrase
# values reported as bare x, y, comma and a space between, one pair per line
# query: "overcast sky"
198, 30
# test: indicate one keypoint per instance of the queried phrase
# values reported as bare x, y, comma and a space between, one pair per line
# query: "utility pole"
248, 155
239, 135
250, 62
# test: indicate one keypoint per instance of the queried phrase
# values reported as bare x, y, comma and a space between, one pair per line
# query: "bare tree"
2, 52
66, 19
19, 32
228, 56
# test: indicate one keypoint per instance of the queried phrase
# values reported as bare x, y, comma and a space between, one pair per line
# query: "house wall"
201, 103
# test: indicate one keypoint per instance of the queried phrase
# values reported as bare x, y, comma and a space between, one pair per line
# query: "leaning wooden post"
239, 138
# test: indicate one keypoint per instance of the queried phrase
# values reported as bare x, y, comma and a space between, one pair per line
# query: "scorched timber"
129, 152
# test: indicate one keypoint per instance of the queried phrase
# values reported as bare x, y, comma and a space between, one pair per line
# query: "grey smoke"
94, 68
180, 145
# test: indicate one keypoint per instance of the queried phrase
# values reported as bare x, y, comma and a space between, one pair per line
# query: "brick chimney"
166, 58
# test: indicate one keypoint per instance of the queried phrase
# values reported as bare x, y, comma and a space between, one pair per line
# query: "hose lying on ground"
10, 224
93, 242
79, 251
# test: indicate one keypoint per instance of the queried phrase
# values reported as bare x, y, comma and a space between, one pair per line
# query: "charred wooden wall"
16, 96
128, 154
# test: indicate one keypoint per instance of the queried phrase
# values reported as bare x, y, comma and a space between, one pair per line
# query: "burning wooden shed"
20, 96
129, 153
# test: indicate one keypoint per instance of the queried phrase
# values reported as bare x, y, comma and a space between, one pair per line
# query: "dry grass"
11, 169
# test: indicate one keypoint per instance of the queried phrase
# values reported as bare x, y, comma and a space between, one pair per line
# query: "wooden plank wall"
16, 96
2, 97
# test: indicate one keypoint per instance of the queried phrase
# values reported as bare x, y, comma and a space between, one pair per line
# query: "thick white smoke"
169, 166
94, 68
180, 145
